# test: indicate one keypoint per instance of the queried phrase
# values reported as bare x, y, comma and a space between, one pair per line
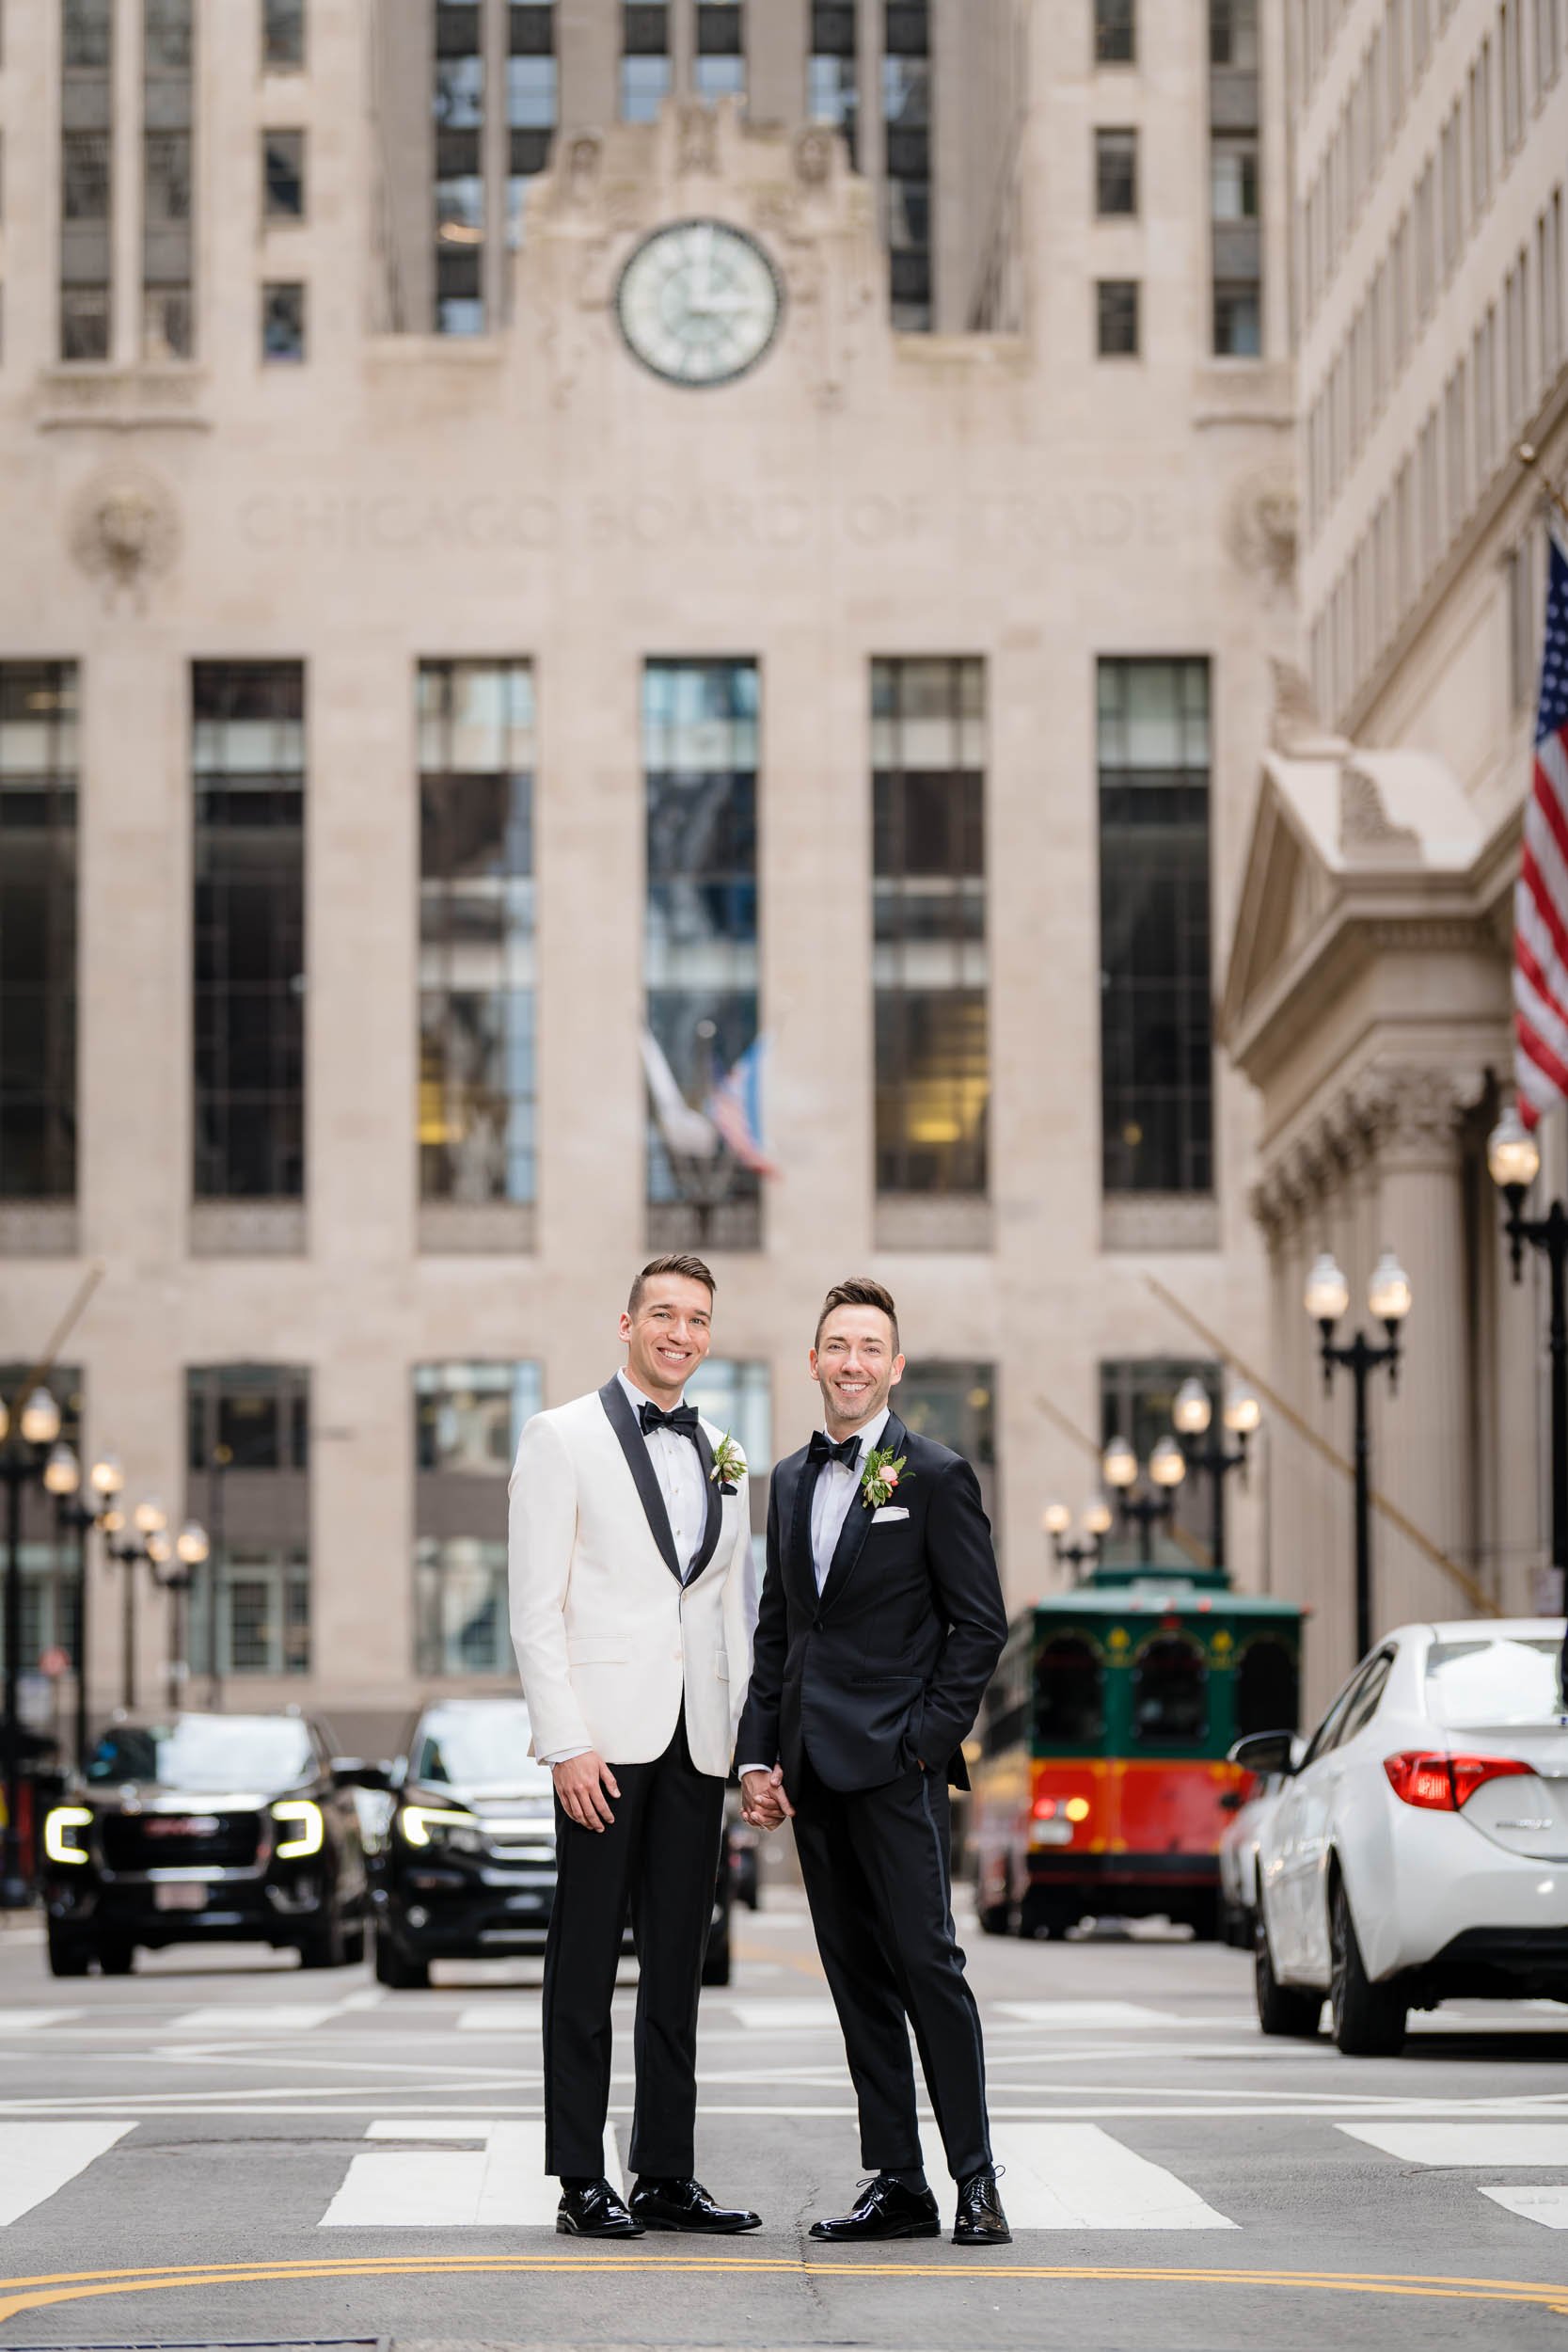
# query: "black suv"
199, 1829
466, 1868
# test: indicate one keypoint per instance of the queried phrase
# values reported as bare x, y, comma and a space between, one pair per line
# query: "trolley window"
1069, 1693
1267, 1694
1171, 1693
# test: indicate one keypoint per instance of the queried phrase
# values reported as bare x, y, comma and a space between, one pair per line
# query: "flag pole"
1530, 457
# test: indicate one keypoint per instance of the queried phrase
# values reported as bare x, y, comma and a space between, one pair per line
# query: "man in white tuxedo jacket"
630, 1543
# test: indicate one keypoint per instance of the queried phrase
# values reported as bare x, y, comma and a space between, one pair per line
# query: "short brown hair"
682, 1261
859, 1291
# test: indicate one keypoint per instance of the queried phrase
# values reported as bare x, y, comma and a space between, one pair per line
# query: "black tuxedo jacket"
886, 1666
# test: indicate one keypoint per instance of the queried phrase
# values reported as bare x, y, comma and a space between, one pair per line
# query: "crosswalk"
473, 2173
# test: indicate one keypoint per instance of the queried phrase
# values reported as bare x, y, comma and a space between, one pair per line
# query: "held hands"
580, 1783
763, 1801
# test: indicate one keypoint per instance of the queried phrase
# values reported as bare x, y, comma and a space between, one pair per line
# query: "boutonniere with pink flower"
880, 1476
729, 1465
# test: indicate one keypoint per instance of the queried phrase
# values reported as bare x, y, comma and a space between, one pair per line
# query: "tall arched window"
1170, 1692
1069, 1693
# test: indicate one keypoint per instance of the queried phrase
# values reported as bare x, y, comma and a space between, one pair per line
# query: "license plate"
180, 1897
1051, 1834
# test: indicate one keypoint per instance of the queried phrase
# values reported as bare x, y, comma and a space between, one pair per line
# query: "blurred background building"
568, 545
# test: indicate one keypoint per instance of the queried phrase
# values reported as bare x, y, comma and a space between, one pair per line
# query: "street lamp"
23, 1454
1388, 1296
1192, 1412
1095, 1519
1167, 1467
62, 1475
1514, 1158
149, 1542
189, 1548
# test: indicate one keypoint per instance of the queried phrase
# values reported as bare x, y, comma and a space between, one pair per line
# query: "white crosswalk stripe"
1073, 2015
499, 2182
266, 2017
1479, 2147
1549, 2206
38, 2159
501, 2016
32, 2020
1075, 2176
783, 2016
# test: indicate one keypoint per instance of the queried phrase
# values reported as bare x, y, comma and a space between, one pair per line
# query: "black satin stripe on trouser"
659, 1861
878, 1867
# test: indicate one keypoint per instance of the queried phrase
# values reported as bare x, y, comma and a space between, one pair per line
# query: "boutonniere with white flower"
880, 1476
729, 1465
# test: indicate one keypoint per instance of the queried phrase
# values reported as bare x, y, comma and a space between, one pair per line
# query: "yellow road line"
28, 2295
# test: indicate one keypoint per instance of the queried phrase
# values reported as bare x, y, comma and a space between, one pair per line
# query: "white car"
1238, 1859
1419, 1850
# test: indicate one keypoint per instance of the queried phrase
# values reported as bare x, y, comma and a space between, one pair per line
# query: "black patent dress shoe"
687, 2206
593, 2212
884, 2209
981, 2220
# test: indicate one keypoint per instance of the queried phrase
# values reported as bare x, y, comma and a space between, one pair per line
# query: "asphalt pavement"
223, 2150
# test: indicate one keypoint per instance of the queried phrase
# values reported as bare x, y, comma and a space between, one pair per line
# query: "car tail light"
1044, 1808
1441, 1784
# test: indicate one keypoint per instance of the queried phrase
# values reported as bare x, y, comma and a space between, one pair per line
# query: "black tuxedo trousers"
658, 1864
878, 1868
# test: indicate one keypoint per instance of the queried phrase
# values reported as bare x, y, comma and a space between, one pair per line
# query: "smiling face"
855, 1366
668, 1334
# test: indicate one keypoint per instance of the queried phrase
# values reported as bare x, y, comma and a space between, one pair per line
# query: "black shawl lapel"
857, 1519
714, 1506
634, 1446
800, 1558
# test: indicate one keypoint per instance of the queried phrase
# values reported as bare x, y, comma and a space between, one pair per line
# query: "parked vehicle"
200, 1829
467, 1867
1237, 1861
1415, 1854
1102, 1785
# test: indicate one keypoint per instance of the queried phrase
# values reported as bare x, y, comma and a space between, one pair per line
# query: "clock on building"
699, 302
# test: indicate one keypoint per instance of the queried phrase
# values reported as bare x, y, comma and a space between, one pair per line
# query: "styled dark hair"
859, 1291
682, 1261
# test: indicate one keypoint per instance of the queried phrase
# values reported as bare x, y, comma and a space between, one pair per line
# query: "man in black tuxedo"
881, 1625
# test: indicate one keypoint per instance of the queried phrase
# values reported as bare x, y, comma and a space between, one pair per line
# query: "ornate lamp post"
189, 1548
149, 1520
1514, 1158
1388, 1296
23, 1454
63, 1477
1192, 1412
1095, 1520
1167, 1467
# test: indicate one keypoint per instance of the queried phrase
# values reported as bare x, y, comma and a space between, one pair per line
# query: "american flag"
1540, 897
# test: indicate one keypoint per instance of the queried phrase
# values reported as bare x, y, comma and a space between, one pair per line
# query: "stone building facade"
399, 723
1368, 993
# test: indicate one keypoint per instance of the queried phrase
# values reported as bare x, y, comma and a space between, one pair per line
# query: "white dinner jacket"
609, 1640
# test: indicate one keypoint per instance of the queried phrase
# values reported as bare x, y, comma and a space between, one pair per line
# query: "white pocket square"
889, 1511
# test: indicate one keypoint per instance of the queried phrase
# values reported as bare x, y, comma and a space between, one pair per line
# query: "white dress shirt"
678, 1468
837, 1484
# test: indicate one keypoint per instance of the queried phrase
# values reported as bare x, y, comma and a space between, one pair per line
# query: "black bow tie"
822, 1449
683, 1420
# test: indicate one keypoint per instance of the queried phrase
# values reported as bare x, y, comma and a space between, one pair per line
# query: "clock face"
699, 303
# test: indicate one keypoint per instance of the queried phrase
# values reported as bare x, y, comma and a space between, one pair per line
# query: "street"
222, 2150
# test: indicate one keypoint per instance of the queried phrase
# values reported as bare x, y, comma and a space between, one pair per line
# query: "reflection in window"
929, 958
283, 321
1233, 176
719, 68
476, 1108
1157, 1055
468, 1419
954, 1405
533, 102
1069, 1693
832, 92
645, 70
248, 772
282, 35
737, 1397
38, 930
247, 1480
907, 159
701, 945
1171, 1693
1268, 1698
1114, 32
1116, 304
457, 105
283, 174
1116, 173
168, 320
86, 172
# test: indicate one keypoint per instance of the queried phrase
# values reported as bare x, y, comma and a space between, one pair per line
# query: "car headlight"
442, 1825
59, 1842
310, 1833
